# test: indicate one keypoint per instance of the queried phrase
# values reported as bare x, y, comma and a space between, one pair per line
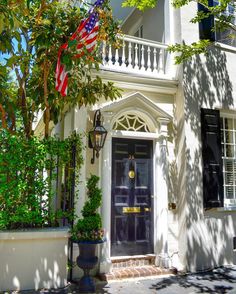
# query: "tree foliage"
31, 32
140, 4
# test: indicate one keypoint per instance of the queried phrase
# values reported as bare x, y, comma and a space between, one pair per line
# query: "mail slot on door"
131, 210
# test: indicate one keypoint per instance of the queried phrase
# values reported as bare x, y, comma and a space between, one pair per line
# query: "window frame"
228, 202
206, 25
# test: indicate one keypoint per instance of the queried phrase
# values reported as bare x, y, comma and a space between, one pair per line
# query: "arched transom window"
130, 122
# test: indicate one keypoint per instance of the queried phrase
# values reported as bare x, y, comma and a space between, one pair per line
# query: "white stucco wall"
33, 259
138, 18
205, 237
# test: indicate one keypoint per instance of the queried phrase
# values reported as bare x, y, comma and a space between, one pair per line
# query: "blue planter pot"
87, 260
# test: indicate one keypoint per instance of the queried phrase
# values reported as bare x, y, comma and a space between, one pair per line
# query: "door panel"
131, 218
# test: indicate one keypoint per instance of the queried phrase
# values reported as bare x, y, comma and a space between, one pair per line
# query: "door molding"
160, 187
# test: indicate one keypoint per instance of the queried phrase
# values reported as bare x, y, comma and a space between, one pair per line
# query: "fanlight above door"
130, 122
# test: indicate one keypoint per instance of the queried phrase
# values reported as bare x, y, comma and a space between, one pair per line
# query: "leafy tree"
140, 4
31, 33
223, 23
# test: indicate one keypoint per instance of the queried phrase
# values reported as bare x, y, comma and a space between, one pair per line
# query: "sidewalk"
220, 280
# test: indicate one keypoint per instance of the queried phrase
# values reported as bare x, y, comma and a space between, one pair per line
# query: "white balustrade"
135, 55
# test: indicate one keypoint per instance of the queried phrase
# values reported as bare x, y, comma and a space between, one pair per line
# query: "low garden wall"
33, 259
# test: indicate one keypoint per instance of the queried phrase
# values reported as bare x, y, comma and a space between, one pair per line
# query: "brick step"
133, 261
135, 272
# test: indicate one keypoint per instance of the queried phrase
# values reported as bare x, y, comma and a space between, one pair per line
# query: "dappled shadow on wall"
206, 84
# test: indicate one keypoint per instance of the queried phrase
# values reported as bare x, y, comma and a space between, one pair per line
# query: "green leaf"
72, 43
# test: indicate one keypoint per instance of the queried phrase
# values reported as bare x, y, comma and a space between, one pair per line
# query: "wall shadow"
200, 283
208, 233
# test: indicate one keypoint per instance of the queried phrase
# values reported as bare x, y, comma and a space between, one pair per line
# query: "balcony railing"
136, 55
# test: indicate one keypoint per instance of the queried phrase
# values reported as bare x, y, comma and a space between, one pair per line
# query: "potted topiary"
88, 232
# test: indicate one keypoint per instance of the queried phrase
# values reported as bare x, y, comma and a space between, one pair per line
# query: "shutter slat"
212, 158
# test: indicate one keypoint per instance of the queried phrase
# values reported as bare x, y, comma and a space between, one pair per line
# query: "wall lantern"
97, 135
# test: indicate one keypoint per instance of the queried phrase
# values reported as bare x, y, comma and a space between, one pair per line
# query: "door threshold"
125, 257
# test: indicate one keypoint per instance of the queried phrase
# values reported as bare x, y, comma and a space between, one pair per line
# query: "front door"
131, 211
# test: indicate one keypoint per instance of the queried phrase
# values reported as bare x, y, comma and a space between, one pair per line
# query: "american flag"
86, 35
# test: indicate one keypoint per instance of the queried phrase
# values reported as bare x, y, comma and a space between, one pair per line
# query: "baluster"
123, 55
110, 56
142, 58
136, 57
116, 63
149, 59
130, 56
104, 62
161, 62
155, 60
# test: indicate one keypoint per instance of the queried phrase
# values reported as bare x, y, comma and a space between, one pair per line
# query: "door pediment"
135, 101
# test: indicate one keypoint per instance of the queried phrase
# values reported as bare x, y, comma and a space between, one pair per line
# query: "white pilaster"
105, 263
171, 18
80, 126
162, 195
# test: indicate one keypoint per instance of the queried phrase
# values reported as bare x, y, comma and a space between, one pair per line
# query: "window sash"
228, 140
224, 37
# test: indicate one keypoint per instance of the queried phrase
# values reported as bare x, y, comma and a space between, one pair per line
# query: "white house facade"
168, 166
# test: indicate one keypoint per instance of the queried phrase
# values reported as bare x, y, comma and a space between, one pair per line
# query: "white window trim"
229, 204
225, 47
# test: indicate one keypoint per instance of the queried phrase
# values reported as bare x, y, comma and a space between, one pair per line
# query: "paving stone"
219, 281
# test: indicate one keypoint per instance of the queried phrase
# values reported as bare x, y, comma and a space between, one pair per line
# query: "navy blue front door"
131, 211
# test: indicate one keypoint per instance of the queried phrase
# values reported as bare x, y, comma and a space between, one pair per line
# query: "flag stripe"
86, 35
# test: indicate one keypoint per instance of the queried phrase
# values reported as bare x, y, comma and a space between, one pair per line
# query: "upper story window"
139, 32
228, 36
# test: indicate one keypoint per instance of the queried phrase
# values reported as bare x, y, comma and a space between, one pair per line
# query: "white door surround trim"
160, 188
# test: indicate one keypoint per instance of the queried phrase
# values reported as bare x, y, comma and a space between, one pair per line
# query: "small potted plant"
88, 232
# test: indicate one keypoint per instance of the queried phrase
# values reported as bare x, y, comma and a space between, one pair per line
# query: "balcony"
138, 57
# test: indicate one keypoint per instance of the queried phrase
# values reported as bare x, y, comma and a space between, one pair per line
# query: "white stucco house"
168, 166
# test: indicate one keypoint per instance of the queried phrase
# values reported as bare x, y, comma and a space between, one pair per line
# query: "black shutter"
212, 159
206, 24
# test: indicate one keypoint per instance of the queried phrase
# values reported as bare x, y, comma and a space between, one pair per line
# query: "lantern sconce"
97, 135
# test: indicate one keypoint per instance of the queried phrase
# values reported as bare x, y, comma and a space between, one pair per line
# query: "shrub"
28, 170
89, 228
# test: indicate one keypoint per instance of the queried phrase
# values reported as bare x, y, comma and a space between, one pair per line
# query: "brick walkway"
218, 281
135, 272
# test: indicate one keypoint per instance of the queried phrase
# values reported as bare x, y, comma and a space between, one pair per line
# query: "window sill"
225, 47
226, 208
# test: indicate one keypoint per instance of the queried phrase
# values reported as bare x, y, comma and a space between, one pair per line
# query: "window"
228, 144
228, 36
139, 34
219, 158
